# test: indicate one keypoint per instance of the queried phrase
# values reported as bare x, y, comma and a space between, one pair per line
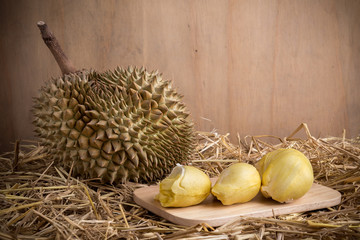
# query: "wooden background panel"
247, 67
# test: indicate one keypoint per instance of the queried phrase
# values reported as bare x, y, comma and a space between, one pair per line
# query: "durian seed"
94, 153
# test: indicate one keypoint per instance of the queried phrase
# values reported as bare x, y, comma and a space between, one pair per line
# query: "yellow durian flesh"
185, 186
238, 183
286, 175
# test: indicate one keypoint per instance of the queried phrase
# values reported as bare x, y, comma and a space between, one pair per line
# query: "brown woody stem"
64, 63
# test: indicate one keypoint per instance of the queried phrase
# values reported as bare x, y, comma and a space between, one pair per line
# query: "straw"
41, 200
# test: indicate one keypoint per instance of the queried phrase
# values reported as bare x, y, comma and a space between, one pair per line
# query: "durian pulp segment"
126, 124
287, 175
166, 195
238, 183
185, 186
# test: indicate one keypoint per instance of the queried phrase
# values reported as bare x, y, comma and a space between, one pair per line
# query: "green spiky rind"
126, 124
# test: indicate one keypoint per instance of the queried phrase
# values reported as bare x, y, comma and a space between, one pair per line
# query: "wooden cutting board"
215, 214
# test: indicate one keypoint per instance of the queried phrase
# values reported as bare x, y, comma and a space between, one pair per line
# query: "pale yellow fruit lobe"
238, 183
185, 186
286, 175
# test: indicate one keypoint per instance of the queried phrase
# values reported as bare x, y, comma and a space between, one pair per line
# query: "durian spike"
51, 42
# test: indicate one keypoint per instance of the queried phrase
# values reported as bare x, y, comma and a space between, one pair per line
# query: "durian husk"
126, 124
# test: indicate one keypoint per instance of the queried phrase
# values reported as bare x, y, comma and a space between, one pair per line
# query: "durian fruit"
185, 186
286, 174
125, 124
239, 183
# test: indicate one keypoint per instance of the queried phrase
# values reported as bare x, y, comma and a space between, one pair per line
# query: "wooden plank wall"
244, 67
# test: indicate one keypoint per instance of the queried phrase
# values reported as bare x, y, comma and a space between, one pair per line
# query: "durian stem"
51, 42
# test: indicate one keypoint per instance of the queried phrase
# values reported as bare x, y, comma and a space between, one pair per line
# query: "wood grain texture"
247, 67
215, 214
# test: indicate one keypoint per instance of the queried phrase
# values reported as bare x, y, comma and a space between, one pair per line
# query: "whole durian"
126, 124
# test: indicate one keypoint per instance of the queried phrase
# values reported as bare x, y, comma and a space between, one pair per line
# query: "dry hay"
39, 200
